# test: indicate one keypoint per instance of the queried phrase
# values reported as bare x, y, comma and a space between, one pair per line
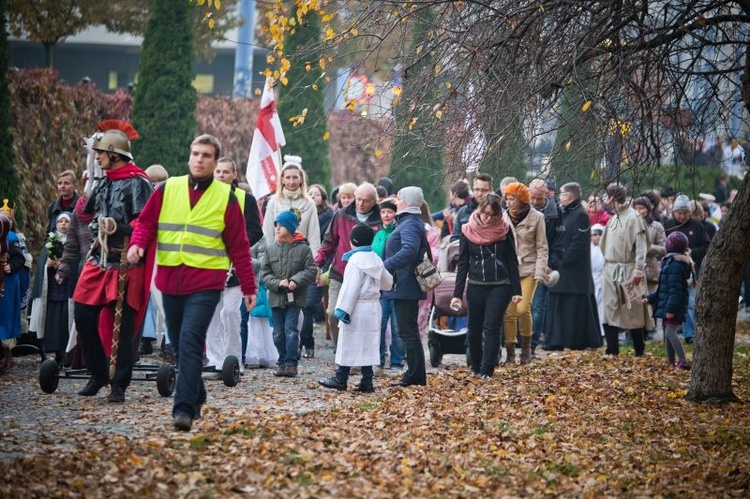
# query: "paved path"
32, 421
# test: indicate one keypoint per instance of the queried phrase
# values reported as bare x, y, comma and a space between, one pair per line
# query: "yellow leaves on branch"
299, 119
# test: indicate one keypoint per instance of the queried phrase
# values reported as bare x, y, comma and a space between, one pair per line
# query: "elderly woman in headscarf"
487, 256
528, 229
572, 320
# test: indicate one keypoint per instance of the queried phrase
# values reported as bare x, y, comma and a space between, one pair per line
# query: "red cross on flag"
264, 161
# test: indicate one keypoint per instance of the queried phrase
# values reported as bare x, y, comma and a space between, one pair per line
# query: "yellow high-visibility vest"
240, 194
192, 236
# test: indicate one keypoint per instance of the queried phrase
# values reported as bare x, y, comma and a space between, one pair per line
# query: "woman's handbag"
428, 275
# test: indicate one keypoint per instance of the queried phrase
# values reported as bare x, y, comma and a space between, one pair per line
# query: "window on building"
113, 81
204, 83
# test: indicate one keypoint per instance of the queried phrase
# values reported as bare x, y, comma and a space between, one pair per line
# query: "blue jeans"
314, 297
538, 309
188, 317
286, 334
688, 327
397, 346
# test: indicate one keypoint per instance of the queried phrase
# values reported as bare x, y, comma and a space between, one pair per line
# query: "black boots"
334, 383
92, 387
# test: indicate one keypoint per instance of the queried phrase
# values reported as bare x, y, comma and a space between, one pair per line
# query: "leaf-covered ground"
573, 424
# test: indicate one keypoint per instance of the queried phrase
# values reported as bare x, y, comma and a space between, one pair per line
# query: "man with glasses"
482, 187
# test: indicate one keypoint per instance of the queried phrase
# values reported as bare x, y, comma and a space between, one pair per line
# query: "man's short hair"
572, 188
460, 189
506, 181
210, 140
230, 161
484, 177
617, 192
369, 188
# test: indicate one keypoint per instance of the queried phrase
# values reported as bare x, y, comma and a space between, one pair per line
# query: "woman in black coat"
572, 320
487, 255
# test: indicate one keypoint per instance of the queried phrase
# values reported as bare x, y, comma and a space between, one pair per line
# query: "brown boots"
525, 349
510, 349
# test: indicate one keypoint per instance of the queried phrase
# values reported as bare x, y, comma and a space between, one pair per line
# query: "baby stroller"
447, 327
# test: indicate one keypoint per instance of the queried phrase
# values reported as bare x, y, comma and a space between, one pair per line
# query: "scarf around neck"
517, 216
127, 171
479, 233
295, 194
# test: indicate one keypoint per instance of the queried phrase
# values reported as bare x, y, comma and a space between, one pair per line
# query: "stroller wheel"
49, 376
230, 371
468, 356
435, 355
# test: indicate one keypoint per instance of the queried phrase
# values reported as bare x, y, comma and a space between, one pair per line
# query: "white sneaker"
378, 371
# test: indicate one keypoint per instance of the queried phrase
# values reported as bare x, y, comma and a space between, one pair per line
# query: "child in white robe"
357, 306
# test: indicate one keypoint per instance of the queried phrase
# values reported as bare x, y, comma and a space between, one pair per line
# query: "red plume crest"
123, 126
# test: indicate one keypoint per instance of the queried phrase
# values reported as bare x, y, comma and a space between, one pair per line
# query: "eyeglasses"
490, 215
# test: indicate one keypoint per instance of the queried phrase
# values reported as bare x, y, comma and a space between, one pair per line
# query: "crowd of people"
138, 252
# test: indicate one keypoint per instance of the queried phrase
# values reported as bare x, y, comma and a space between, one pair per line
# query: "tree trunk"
48, 53
716, 301
716, 305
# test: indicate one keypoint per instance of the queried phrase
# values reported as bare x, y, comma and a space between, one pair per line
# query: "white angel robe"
359, 341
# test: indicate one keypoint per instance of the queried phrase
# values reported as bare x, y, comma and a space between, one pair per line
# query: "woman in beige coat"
531, 248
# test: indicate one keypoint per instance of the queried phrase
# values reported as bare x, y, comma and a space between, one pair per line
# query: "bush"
50, 119
48, 122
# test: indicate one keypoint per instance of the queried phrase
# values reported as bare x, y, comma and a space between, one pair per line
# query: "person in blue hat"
287, 270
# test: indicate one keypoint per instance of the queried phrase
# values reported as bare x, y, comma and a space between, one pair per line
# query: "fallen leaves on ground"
575, 424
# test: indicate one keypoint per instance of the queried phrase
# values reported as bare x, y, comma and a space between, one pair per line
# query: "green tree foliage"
9, 187
164, 97
301, 102
578, 153
49, 21
506, 153
417, 157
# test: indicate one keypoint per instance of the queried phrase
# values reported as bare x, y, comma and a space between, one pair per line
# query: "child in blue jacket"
671, 297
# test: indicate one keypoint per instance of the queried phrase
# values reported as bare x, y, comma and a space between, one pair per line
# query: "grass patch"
200, 442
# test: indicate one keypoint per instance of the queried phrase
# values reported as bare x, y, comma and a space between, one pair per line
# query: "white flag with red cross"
264, 162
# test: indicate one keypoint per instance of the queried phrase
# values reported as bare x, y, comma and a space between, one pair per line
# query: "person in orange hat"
532, 252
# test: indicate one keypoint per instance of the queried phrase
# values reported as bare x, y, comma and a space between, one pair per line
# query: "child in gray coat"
287, 269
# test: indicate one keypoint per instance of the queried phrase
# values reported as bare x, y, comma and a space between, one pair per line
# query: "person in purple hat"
671, 297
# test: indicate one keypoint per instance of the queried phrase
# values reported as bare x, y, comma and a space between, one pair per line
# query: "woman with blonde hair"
291, 193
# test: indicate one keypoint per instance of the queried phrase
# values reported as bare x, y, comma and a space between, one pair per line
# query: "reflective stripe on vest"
188, 236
